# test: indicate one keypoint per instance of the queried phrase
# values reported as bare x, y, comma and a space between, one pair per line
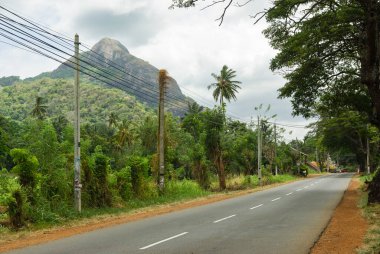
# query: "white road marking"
290, 193
165, 240
256, 206
298, 189
225, 218
275, 199
306, 187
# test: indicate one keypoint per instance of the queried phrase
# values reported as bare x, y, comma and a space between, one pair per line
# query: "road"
285, 219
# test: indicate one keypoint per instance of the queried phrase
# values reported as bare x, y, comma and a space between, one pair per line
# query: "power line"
91, 69
89, 64
84, 55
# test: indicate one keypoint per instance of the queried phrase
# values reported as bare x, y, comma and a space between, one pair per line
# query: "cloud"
186, 42
134, 27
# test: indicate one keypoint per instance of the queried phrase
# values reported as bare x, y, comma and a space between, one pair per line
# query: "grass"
372, 214
372, 238
248, 182
175, 191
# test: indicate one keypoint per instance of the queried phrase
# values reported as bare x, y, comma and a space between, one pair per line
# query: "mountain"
123, 70
97, 101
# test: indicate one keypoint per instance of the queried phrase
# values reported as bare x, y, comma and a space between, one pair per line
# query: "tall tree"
225, 86
214, 125
328, 49
192, 121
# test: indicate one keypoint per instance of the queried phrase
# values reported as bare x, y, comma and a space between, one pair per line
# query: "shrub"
124, 183
139, 167
26, 167
99, 194
16, 210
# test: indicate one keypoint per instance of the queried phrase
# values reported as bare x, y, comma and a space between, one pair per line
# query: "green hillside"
97, 101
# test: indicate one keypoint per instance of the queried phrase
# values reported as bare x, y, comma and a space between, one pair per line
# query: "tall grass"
174, 191
246, 182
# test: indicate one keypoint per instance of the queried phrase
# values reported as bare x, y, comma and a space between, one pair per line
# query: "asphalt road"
285, 219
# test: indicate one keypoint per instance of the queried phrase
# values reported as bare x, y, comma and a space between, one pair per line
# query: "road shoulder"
346, 230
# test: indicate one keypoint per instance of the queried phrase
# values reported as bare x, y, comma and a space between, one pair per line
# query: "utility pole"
77, 184
317, 159
368, 163
161, 127
299, 157
275, 149
259, 149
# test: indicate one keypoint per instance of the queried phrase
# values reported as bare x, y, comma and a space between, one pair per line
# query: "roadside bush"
124, 183
26, 167
183, 189
16, 209
99, 194
138, 167
250, 181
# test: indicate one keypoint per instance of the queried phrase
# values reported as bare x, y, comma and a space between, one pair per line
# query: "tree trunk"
370, 70
370, 55
221, 173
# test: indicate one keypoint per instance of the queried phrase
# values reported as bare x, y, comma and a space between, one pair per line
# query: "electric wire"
72, 61
65, 40
101, 60
91, 73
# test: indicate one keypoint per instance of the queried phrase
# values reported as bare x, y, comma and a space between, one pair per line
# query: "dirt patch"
347, 227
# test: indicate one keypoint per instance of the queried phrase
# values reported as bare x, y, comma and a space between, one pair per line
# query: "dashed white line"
275, 199
298, 189
290, 193
225, 218
165, 240
256, 206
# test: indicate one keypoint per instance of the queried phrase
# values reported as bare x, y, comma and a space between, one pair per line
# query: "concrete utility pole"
275, 149
299, 160
161, 128
77, 184
259, 149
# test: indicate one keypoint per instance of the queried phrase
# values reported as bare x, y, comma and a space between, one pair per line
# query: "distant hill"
144, 87
8, 81
97, 101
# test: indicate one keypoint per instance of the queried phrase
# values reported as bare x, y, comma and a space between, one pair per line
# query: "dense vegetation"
328, 52
118, 152
204, 150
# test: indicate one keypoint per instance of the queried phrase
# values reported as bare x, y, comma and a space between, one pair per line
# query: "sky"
189, 43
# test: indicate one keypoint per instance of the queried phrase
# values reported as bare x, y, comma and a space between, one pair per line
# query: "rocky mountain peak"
110, 48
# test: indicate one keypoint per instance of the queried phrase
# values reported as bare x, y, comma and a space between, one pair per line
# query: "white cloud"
188, 43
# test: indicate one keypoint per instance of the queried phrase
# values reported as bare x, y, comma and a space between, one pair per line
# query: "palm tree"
112, 120
193, 108
39, 110
124, 135
225, 86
